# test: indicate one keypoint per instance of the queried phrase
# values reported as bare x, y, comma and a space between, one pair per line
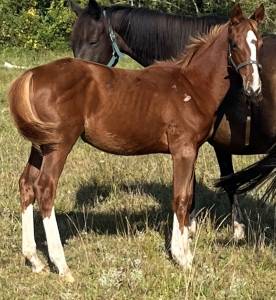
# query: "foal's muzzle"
252, 86
249, 91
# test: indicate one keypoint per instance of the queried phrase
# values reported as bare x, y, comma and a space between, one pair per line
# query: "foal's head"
243, 52
90, 37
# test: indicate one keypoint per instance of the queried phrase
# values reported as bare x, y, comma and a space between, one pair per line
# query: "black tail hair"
255, 175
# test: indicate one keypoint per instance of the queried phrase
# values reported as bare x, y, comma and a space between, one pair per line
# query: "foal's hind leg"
183, 185
45, 190
27, 197
226, 168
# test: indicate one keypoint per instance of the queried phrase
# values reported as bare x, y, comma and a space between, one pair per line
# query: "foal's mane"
196, 43
146, 30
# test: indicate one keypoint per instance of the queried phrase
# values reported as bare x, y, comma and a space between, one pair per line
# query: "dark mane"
155, 34
193, 46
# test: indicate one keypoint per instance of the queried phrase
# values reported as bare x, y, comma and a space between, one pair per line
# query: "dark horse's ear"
259, 14
94, 9
236, 15
75, 7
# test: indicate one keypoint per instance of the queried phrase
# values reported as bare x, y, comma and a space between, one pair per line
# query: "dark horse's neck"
151, 35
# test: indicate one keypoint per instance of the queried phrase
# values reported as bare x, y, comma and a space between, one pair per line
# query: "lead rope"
248, 124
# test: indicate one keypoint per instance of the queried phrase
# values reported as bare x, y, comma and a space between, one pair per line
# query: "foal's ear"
236, 15
75, 7
94, 9
259, 14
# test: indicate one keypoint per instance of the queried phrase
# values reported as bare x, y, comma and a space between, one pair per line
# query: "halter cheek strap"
116, 52
243, 64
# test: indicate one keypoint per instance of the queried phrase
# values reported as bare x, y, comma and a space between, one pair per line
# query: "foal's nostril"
250, 92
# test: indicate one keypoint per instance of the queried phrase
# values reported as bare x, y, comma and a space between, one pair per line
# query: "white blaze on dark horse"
125, 112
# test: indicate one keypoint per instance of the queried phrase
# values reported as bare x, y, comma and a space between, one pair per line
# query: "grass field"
114, 215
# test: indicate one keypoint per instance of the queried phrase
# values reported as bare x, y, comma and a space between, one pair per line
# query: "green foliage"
46, 24
35, 24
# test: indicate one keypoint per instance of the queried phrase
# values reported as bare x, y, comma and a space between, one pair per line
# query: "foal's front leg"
183, 186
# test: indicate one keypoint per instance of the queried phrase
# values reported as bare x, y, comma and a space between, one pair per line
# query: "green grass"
114, 214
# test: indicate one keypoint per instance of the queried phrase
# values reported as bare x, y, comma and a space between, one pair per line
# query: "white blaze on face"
251, 40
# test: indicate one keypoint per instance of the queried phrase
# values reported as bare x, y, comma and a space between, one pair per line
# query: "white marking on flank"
187, 98
251, 41
28, 240
180, 245
55, 248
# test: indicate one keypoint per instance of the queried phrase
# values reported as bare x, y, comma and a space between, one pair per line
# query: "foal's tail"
257, 174
26, 119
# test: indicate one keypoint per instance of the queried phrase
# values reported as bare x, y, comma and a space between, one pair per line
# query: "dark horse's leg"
183, 185
27, 198
45, 189
226, 168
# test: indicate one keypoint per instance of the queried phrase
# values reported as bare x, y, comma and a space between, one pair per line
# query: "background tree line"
47, 24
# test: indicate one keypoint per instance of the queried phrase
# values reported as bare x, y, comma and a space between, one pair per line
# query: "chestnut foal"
166, 108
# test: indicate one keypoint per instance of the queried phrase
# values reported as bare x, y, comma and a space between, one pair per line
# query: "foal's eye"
92, 43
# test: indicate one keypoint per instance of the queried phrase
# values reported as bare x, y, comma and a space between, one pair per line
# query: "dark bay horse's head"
90, 39
243, 53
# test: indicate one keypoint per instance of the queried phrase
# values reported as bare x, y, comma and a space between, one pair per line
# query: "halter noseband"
243, 64
116, 52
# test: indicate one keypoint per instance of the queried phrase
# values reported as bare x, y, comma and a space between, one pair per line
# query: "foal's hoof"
35, 263
239, 233
184, 260
39, 268
67, 277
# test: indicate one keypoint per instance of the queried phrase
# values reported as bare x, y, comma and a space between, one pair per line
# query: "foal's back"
118, 111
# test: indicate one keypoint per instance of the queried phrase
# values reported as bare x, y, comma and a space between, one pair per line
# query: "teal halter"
116, 52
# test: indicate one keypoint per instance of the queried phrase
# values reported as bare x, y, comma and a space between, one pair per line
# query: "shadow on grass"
259, 216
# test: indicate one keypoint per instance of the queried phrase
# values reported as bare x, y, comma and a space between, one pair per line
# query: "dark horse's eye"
93, 43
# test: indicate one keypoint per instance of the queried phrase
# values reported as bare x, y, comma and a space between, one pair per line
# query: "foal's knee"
44, 189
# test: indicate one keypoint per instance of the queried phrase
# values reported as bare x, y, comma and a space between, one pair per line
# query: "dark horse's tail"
259, 173
27, 121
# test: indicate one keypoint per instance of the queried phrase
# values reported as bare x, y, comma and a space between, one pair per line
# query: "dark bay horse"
147, 36
169, 108
257, 174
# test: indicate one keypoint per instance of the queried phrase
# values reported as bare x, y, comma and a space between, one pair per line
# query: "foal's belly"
123, 140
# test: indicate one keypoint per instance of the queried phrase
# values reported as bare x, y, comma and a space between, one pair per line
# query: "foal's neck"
209, 66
